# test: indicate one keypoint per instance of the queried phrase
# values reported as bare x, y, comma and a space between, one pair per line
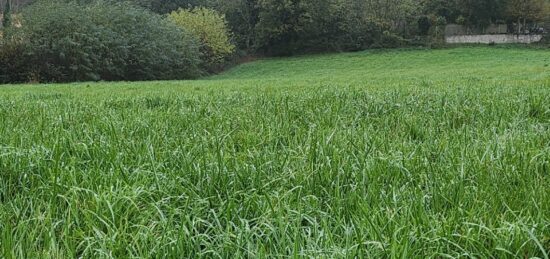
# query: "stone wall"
494, 38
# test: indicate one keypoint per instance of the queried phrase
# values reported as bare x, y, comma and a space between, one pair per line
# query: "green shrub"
390, 40
13, 62
424, 25
104, 41
210, 28
460, 20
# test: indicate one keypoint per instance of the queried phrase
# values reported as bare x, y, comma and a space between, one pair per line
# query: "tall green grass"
398, 154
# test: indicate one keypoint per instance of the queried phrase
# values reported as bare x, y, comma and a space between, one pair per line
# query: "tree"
6, 19
280, 26
167, 6
526, 10
276, 27
210, 28
242, 17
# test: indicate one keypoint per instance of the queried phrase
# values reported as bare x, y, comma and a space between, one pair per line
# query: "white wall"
498, 39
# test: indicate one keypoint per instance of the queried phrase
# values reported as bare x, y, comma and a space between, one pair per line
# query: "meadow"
377, 154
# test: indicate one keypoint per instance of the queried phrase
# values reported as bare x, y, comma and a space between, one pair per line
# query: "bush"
211, 29
390, 40
13, 63
460, 20
103, 41
424, 25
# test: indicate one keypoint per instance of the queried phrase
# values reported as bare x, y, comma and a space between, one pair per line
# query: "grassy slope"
399, 153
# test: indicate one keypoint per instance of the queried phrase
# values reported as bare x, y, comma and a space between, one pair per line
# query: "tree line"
76, 40
294, 26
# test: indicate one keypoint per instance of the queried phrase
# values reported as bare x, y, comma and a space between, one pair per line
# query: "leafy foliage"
6, 15
527, 10
296, 26
104, 41
91, 41
13, 63
210, 28
168, 6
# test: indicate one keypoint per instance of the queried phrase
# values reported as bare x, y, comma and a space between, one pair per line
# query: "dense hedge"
66, 41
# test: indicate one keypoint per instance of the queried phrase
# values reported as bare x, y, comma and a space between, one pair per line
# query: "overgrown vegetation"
226, 31
412, 153
211, 29
298, 26
66, 41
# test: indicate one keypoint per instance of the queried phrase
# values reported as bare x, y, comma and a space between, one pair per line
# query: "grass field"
405, 153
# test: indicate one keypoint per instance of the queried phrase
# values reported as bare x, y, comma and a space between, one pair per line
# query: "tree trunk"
6, 19
519, 26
